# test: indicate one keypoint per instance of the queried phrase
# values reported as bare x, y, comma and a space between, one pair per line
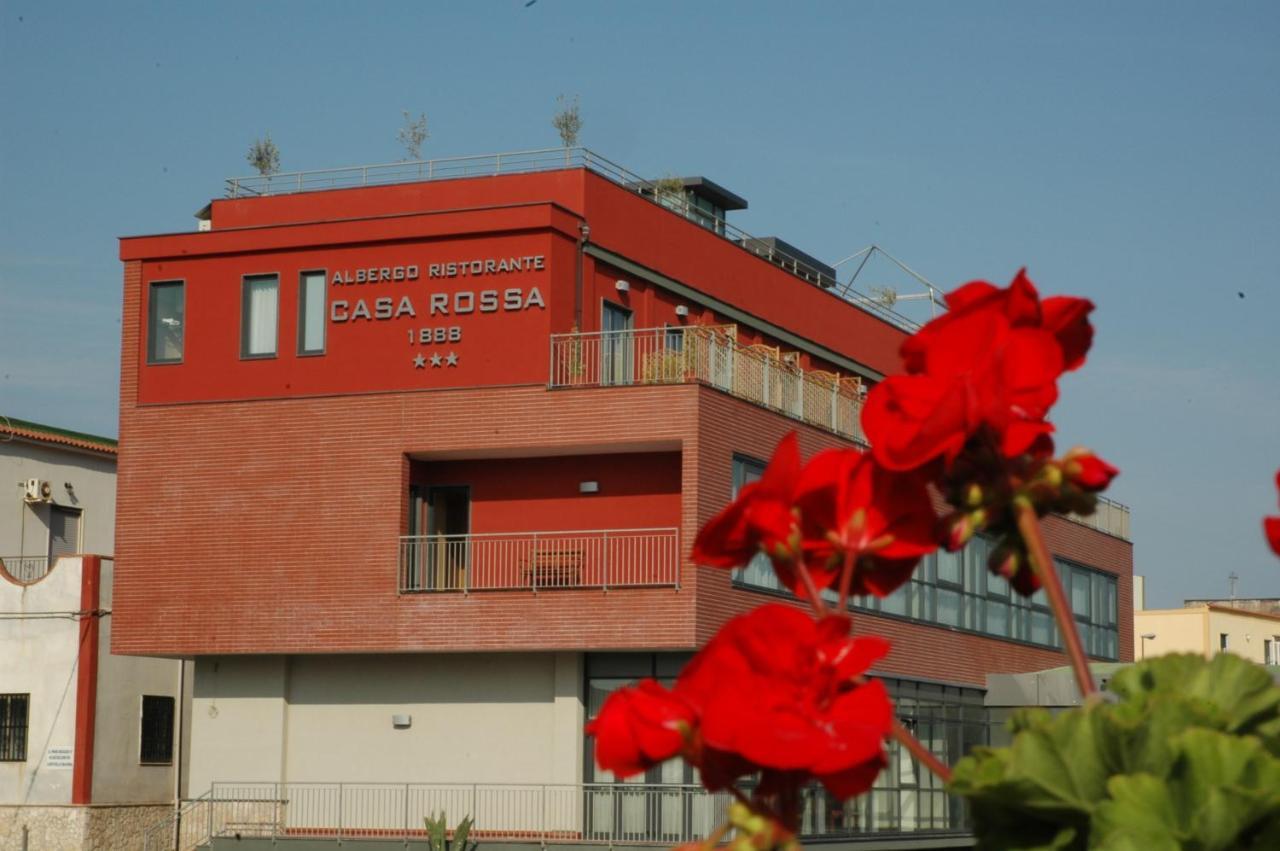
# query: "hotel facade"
411, 459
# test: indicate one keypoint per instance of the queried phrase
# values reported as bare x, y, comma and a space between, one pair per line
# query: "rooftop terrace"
679, 195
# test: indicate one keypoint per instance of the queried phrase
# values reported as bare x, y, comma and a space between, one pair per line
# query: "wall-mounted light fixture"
588, 487
682, 310
621, 285
402, 722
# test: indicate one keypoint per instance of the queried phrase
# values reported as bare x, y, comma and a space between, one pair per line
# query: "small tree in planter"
264, 156
568, 123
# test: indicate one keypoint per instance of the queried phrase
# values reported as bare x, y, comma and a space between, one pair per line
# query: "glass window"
311, 313
259, 316
13, 727
950, 566
157, 730
166, 306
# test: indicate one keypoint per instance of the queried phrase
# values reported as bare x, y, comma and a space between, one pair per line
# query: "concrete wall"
39, 653
476, 718
118, 776
73, 828
24, 529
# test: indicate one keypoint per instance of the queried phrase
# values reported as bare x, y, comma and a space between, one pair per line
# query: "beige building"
1207, 629
88, 740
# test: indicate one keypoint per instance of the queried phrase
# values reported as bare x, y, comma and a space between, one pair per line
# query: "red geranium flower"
787, 694
849, 505
639, 727
991, 363
1271, 526
774, 692
761, 518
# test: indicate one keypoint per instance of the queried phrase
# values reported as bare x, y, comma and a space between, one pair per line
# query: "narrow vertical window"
311, 309
165, 309
157, 730
13, 727
1222, 641
259, 316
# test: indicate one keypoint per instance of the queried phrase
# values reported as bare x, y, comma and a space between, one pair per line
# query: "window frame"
152, 287
244, 316
9, 752
143, 731
303, 352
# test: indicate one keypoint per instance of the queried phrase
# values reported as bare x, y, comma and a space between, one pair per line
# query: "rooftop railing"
709, 355
1110, 517
540, 561
599, 813
551, 159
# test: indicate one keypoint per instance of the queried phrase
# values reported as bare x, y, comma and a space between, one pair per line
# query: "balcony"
25, 569
713, 356
1110, 517
540, 561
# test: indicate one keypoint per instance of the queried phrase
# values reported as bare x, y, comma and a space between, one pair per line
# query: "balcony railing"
709, 355
601, 813
1110, 516
540, 561
26, 568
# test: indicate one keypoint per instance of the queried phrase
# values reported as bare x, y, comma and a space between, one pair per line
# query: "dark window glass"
13, 727
166, 309
157, 730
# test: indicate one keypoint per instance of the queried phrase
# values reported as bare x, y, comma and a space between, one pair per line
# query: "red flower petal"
639, 727
1068, 319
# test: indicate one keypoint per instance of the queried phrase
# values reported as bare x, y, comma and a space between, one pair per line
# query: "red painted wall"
637, 491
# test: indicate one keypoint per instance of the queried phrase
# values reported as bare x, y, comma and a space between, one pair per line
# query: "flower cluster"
776, 692
840, 517
971, 414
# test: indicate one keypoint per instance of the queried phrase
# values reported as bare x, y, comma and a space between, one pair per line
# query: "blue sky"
1125, 152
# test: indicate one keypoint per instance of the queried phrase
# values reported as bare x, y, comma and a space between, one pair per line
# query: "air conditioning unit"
39, 490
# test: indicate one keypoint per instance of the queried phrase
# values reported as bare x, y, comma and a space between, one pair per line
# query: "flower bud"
1087, 471
973, 495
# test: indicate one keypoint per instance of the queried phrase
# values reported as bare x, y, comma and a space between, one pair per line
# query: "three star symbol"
420, 360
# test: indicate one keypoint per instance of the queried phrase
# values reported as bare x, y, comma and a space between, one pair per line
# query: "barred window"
157, 730
13, 727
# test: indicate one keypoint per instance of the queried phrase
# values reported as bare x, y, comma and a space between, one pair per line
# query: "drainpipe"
177, 758
585, 230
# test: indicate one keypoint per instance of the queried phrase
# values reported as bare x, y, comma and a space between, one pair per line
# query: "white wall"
477, 718
39, 654
24, 529
118, 775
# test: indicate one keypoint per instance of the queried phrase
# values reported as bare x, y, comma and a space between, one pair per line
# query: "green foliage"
567, 120
438, 834
1186, 757
264, 156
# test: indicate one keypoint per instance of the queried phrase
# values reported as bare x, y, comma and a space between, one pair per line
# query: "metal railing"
614, 813
551, 159
26, 568
709, 355
1110, 517
540, 561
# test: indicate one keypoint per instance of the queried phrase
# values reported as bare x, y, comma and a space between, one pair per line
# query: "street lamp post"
1144, 637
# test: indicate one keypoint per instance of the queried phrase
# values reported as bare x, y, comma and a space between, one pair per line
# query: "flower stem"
920, 752
815, 597
846, 579
1042, 563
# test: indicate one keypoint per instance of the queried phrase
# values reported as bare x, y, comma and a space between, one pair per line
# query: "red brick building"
411, 470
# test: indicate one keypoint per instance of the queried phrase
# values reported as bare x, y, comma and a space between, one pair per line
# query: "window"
166, 305
957, 590
616, 344
13, 727
1222, 641
259, 316
1268, 652
64, 532
311, 313
157, 730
